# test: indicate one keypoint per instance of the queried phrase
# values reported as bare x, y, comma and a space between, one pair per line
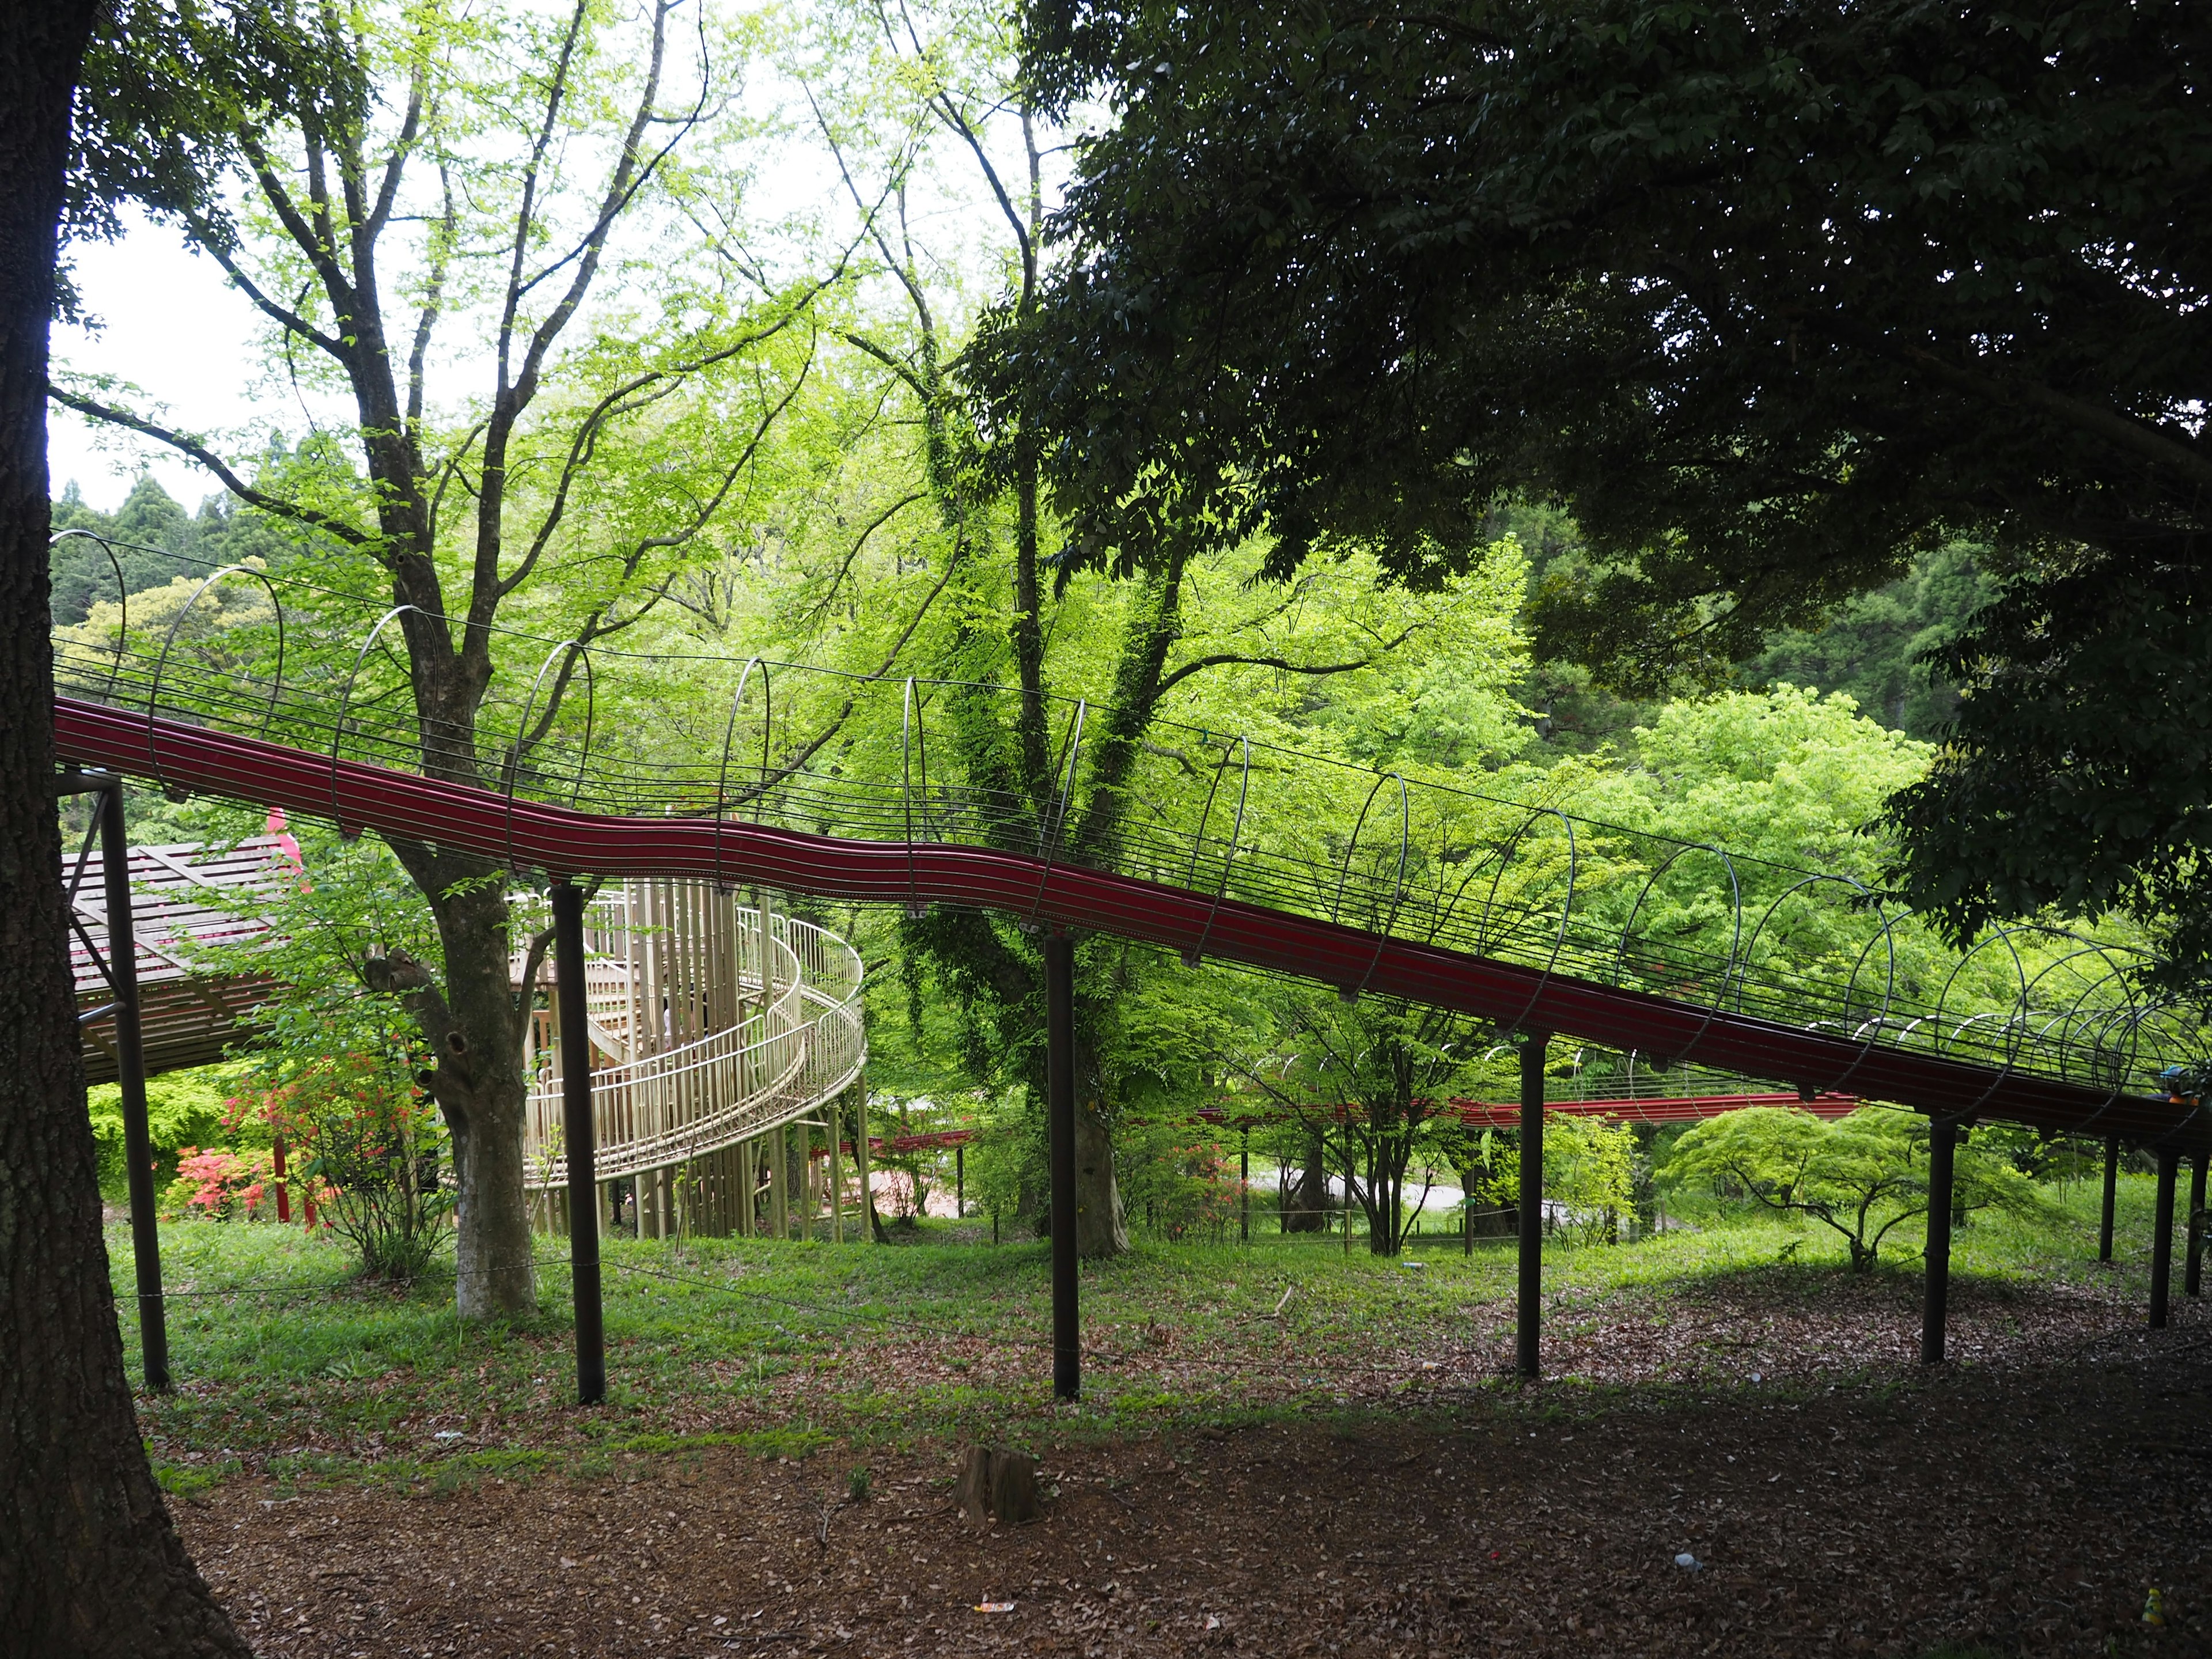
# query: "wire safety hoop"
160, 668
2119, 1077
1196, 954
578, 652
1483, 936
1049, 833
912, 738
1735, 940
1889, 990
345, 701
1398, 882
729, 737
122, 601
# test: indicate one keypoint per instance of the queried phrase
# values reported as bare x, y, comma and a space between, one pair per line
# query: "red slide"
527, 835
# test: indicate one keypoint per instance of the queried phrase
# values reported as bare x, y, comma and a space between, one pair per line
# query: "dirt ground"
2025, 1506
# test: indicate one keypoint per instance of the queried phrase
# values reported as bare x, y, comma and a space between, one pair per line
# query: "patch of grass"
288, 1365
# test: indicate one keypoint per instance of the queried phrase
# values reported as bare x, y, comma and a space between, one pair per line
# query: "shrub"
218, 1184
370, 1149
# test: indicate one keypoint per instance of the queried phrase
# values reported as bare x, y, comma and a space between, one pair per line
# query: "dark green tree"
1772, 297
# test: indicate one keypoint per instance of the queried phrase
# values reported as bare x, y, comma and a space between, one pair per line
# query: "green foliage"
1006, 1172
183, 1109
147, 541
333, 1067
1590, 1167
1860, 1175
1874, 648
1367, 1079
1177, 1176
1773, 298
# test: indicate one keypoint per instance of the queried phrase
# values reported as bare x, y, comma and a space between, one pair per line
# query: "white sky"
190, 347
172, 326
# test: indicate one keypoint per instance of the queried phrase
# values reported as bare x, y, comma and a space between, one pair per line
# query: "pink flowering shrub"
218, 1184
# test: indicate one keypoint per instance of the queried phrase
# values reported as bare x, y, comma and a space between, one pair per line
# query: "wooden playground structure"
726, 1057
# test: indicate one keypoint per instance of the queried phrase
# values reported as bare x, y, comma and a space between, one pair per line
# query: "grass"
287, 1367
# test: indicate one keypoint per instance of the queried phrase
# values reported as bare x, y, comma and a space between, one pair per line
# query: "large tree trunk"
1098, 1222
89, 1562
493, 1273
1306, 1205
475, 1029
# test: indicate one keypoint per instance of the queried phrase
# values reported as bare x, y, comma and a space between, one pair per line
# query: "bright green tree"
513, 243
1861, 1176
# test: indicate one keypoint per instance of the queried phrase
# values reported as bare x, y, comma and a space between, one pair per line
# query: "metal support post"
1059, 1118
2112, 1187
1244, 1188
1534, 1045
130, 1077
1935, 1296
959, 1182
836, 1174
578, 1132
2193, 1276
868, 1219
2161, 1238
779, 1184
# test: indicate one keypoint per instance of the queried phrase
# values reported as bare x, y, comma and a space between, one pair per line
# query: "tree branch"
204, 234
215, 463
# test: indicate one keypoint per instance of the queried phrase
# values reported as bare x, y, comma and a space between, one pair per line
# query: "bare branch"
441, 249
859, 542
204, 234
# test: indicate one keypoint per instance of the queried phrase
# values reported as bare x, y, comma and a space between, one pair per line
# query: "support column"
1935, 1296
578, 1132
1060, 1118
2161, 1238
803, 1182
1534, 1045
959, 1182
130, 1078
860, 1159
1244, 1188
779, 1184
2193, 1277
2112, 1187
837, 1174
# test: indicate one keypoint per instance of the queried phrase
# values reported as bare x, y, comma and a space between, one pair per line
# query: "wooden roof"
183, 899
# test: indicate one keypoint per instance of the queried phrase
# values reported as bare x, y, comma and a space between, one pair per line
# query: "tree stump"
996, 1483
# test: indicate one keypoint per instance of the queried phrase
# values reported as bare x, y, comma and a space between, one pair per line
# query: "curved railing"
805, 1046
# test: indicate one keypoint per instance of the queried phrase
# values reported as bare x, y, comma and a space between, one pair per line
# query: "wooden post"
1245, 1190
1346, 1206
860, 1159
836, 1176
810, 1191
779, 1184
